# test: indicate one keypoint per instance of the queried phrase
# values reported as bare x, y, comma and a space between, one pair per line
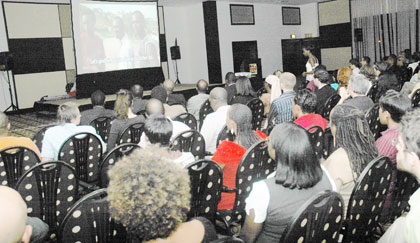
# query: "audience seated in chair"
386, 82
244, 91
321, 80
124, 117
406, 228
172, 111
229, 153
343, 77
139, 104
230, 82
156, 192
195, 102
355, 148
303, 107
273, 201
355, 93
173, 99
15, 225
69, 118
215, 121
10, 141
98, 101
154, 106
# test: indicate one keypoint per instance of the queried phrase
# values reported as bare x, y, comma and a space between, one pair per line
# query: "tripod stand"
176, 70
12, 104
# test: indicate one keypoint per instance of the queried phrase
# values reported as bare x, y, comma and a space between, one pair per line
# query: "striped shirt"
282, 106
387, 143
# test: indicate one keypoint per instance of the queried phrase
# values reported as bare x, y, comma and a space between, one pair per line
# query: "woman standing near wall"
310, 65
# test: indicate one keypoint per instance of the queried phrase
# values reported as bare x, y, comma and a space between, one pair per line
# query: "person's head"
365, 61
148, 193
123, 104
352, 133
154, 106
4, 124
303, 103
369, 72
416, 56
277, 73
138, 24
158, 129
98, 98
169, 86
320, 67
230, 78
68, 113
13, 217
243, 86
270, 80
354, 63
307, 50
239, 120
392, 60
321, 77
401, 61
287, 81
358, 85
409, 143
118, 28
380, 67
218, 98
392, 106
297, 165
137, 91
386, 81
343, 76
159, 92
202, 86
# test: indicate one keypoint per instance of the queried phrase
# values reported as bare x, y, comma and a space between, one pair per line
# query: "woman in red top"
229, 154
303, 107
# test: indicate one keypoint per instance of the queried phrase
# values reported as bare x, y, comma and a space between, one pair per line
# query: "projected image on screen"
110, 36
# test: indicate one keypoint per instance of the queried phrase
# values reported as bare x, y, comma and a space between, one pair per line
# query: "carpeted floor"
26, 125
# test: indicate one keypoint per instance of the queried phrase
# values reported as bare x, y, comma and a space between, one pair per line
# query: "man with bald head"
179, 99
195, 102
215, 121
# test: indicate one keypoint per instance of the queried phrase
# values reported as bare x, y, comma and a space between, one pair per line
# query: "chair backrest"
257, 108
205, 109
83, 151
372, 118
261, 91
102, 125
228, 239
206, 185
190, 141
372, 92
328, 143
14, 161
224, 134
49, 190
131, 134
415, 100
188, 119
39, 136
89, 221
318, 220
329, 105
112, 157
317, 138
367, 200
272, 121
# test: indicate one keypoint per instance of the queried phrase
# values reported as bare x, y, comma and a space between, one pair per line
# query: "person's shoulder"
337, 158
86, 128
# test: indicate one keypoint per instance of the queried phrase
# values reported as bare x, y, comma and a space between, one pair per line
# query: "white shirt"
177, 128
212, 125
413, 66
415, 78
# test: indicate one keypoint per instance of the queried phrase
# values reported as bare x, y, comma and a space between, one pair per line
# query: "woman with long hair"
124, 116
244, 91
229, 153
355, 148
272, 202
310, 66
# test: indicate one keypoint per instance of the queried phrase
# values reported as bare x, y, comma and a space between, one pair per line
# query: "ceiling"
283, 2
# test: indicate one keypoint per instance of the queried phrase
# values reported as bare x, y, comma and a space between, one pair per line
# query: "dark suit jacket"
97, 111
138, 105
322, 96
176, 99
231, 90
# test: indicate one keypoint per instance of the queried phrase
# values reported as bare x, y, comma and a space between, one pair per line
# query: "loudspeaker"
175, 53
358, 34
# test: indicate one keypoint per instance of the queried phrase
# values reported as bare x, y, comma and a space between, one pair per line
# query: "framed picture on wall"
242, 14
291, 15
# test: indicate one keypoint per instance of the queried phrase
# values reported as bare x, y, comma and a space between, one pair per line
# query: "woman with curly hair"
244, 91
124, 116
355, 148
150, 196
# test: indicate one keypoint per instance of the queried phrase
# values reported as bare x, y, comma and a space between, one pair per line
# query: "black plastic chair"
190, 141
228, 239
318, 220
188, 119
329, 105
39, 136
205, 109
261, 91
272, 121
367, 201
112, 157
224, 134
206, 185
257, 108
317, 138
255, 165
328, 143
415, 100
89, 221
83, 151
102, 126
131, 134
49, 190
372, 118
14, 161
372, 92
